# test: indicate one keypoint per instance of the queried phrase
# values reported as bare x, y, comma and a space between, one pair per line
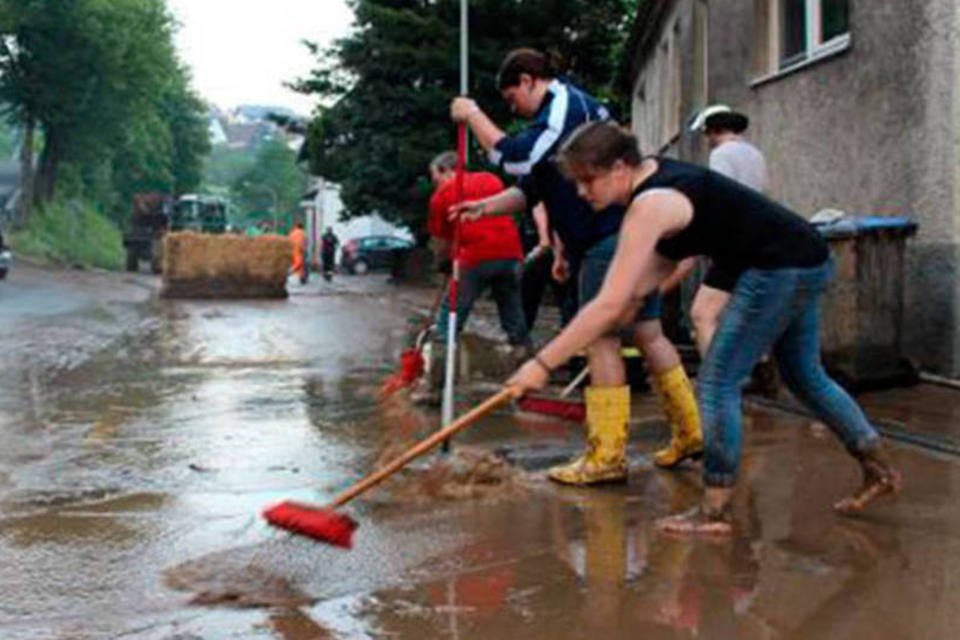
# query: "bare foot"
879, 480
696, 522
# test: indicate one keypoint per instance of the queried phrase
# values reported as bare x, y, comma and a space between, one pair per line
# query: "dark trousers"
327, 259
502, 277
534, 282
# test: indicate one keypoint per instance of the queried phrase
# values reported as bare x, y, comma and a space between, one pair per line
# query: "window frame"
814, 44
815, 49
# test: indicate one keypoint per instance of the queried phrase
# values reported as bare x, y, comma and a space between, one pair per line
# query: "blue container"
862, 311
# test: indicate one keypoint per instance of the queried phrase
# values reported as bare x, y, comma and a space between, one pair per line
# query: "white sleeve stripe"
555, 122
518, 168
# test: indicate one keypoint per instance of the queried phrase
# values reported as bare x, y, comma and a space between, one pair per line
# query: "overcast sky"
241, 51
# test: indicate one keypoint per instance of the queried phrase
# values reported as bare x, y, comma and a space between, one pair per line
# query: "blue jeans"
503, 279
592, 270
771, 310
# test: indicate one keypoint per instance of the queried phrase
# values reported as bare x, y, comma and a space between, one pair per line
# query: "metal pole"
464, 55
448, 400
464, 47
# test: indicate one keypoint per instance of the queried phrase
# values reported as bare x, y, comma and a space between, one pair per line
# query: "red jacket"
490, 237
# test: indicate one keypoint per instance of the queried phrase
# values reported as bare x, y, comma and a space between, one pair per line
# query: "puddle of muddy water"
283, 572
468, 473
106, 530
214, 583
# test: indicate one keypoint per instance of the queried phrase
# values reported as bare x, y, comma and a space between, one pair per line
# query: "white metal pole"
448, 400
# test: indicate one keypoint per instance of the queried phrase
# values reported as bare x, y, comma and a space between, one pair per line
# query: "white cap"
701, 119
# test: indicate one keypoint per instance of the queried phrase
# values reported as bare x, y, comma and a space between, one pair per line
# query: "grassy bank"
71, 233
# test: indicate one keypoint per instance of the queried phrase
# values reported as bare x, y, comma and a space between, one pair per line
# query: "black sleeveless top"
736, 227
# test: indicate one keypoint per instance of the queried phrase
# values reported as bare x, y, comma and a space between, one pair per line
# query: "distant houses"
247, 126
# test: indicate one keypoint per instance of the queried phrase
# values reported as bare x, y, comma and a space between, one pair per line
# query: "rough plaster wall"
871, 130
932, 290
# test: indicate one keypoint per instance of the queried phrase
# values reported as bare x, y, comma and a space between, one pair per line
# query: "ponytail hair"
595, 147
532, 62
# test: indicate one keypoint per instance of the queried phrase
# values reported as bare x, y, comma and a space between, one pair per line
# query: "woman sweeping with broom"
530, 84
677, 210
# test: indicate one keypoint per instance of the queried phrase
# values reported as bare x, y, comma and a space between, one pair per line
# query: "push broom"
447, 403
412, 364
558, 407
562, 407
325, 524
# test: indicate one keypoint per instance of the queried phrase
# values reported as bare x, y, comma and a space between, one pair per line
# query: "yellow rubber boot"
680, 405
605, 460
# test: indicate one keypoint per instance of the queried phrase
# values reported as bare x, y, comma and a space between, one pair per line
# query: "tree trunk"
46, 181
24, 205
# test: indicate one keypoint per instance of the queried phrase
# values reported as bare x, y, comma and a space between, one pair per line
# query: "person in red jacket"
489, 254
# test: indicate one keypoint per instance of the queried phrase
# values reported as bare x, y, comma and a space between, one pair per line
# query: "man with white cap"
731, 155
739, 160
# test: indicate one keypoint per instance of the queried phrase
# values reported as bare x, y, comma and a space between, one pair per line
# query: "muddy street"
141, 439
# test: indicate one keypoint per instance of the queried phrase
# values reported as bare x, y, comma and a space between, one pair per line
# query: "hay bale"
200, 265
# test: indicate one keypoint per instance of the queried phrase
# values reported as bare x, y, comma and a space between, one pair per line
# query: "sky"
242, 51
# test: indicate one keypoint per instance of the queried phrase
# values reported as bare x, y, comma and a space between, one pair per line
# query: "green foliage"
71, 232
273, 183
101, 82
389, 85
8, 141
224, 166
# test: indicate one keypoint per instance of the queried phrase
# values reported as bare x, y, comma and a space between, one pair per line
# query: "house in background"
216, 126
246, 127
853, 102
322, 208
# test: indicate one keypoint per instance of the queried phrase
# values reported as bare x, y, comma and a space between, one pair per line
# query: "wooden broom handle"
423, 447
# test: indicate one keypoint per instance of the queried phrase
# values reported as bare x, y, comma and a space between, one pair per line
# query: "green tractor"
154, 214
205, 214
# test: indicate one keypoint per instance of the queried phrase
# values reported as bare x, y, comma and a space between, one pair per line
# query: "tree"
100, 81
274, 183
388, 85
164, 146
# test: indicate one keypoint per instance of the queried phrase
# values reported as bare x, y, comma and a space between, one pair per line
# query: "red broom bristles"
320, 524
573, 410
411, 368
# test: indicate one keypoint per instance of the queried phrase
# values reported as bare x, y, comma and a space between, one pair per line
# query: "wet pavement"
141, 439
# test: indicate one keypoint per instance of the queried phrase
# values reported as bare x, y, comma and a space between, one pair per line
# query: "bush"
71, 232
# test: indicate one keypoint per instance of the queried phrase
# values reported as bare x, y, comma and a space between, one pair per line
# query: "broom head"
411, 368
573, 410
325, 525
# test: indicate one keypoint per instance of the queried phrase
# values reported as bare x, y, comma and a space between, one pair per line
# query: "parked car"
371, 253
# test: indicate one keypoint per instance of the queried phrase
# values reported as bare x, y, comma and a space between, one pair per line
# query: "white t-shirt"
740, 161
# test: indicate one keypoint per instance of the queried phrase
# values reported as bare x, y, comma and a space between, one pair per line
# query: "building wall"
872, 129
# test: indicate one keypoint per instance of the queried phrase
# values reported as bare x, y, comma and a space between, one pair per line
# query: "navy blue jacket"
530, 155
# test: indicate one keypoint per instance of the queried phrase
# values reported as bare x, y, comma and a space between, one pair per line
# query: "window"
809, 28
793, 33
701, 23
659, 91
670, 61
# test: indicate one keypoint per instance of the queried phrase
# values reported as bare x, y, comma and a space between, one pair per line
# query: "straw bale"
200, 265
